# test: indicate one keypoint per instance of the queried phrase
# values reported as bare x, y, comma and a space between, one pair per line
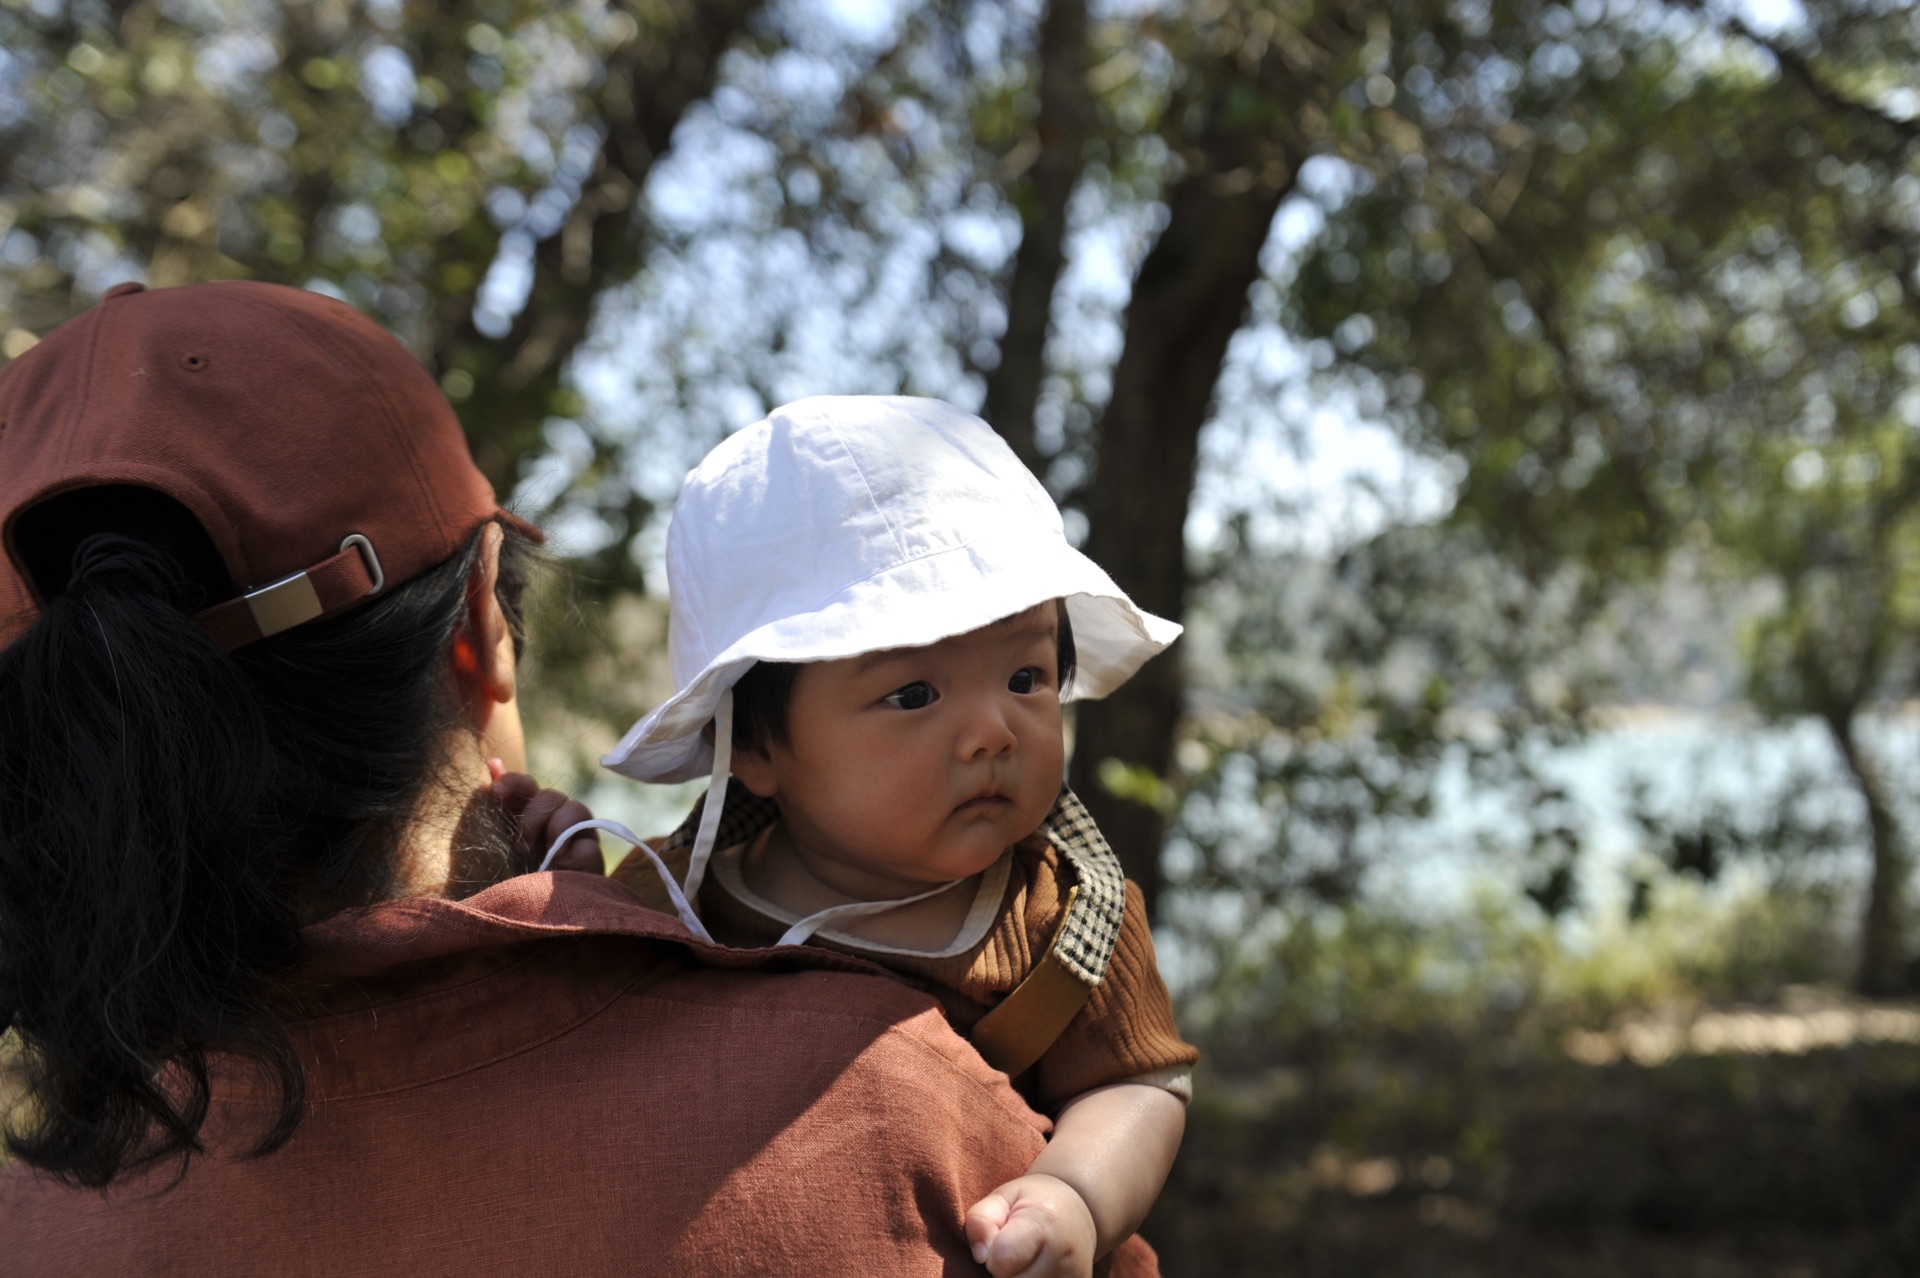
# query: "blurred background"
1518, 402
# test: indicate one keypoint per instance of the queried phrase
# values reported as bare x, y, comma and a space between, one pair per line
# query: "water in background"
1679, 765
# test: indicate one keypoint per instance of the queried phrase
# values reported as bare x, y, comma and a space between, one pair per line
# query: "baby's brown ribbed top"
1126, 1030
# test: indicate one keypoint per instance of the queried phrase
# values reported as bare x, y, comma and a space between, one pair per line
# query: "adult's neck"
457, 842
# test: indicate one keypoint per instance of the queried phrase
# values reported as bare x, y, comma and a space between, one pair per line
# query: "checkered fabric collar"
1087, 935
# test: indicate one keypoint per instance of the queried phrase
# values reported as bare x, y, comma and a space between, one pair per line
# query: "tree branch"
1013, 388
647, 86
1800, 68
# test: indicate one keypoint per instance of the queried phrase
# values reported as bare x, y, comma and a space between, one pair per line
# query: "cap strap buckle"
332, 585
374, 569
284, 604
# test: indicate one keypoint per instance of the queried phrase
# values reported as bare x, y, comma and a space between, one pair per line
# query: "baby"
876, 617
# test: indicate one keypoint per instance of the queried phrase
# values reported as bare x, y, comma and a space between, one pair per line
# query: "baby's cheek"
876, 810
1048, 749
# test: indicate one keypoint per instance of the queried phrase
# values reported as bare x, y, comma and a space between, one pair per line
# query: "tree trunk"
1013, 388
647, 84
1883, 949
1187, 302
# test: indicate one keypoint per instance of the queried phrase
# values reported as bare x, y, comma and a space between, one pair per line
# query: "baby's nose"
986, 732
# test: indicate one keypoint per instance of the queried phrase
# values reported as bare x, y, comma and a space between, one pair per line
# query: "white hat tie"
684, 896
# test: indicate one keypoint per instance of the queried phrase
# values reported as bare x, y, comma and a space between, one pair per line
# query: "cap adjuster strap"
284, 604
333, 584
379, 574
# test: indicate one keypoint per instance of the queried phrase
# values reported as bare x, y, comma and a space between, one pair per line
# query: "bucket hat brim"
911, 605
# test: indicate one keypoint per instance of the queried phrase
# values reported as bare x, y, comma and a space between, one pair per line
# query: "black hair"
763, 693
170, 815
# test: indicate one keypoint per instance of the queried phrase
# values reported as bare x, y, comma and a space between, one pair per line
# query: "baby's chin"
980, 841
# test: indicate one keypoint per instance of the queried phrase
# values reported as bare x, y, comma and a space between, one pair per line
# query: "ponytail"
168, 811
113, 897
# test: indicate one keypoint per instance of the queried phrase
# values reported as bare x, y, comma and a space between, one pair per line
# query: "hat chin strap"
681, 906
800, 932
682, 897
703, 841
716, 795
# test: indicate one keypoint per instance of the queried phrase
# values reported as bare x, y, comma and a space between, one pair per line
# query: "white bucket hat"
842, 525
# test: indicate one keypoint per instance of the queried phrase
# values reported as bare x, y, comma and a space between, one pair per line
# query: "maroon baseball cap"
316, 452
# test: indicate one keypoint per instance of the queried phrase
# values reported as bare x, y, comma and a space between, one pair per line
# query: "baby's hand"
1033, 1227
540, 817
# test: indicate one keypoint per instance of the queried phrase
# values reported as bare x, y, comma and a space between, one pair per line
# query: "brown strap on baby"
1018, 1031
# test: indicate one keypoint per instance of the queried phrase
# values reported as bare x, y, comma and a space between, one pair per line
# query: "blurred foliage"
1392, 1097
1649, 279
1332, 697
466, 174
1367, 974
1636, 280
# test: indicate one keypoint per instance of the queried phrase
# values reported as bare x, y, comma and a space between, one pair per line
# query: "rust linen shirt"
549, 1078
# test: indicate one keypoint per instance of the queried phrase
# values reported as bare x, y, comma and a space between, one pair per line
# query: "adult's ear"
483, 656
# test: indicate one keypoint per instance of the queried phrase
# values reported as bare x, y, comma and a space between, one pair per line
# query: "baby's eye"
917, 695
1025, 681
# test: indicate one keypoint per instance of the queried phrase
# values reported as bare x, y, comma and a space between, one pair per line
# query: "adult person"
282, 1001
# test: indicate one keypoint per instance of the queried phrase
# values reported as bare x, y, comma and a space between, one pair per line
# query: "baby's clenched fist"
1034, 1227
541, 816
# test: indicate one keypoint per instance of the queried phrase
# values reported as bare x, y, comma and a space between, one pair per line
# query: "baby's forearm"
1114, 1146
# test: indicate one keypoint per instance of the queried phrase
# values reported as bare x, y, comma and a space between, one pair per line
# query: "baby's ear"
753, 768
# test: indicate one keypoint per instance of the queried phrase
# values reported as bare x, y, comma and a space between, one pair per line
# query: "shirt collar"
406, 992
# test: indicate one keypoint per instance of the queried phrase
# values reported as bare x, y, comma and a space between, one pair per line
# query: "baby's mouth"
991, 801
